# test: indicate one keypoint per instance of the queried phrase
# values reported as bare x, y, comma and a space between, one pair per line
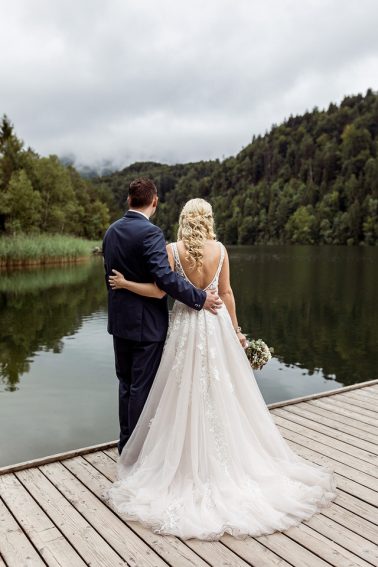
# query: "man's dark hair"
141, 192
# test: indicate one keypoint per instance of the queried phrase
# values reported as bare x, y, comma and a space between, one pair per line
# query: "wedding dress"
206, 457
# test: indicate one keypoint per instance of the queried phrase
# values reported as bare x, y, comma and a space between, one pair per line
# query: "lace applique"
182, 319
208, 373
172, 514
204, 495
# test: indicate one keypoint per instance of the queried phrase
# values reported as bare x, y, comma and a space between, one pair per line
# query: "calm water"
316, 306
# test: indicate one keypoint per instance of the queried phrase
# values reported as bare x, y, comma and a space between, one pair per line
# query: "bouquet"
258, 353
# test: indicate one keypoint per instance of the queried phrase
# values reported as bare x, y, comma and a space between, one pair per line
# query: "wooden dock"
51, 512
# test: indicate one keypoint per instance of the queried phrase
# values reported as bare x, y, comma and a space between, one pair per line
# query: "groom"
136, 248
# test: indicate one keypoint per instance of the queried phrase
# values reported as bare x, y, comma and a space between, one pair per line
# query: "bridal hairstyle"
196, 225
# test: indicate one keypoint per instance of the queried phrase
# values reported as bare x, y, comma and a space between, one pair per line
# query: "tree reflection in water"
317, 306
40, 307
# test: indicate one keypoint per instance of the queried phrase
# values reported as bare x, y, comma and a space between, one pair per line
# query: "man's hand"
213, 302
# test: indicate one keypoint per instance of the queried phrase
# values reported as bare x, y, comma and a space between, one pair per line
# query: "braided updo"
196, 225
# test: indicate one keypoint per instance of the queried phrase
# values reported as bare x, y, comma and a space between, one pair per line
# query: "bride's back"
211, 257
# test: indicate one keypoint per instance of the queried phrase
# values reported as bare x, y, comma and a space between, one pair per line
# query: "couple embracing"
200, 454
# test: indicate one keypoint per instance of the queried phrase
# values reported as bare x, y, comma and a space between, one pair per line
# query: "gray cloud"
172, 81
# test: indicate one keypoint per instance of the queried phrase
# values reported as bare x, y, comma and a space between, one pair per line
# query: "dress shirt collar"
139, 212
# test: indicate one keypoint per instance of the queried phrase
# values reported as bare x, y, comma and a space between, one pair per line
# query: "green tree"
301, 226
10, 151
97, 220
21, 204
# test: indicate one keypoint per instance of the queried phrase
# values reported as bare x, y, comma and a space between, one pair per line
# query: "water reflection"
39, 308
316, 306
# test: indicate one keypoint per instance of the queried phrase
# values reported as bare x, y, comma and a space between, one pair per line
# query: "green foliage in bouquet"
258, 353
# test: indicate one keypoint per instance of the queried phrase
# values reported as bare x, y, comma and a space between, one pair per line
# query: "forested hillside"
40, 194
312, 179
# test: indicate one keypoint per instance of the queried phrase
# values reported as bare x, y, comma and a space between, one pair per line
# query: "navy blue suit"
136, 248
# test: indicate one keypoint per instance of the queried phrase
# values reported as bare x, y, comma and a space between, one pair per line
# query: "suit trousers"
136, 366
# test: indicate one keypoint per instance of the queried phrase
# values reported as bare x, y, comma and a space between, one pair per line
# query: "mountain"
311, 180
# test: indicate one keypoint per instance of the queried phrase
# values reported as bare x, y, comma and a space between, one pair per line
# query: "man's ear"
128, 201
155, 201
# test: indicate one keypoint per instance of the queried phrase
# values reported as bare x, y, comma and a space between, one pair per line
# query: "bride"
206, 457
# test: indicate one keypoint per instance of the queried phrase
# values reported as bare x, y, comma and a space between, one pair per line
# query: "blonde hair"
196, 225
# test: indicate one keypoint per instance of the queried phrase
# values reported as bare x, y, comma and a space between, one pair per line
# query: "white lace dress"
206, 457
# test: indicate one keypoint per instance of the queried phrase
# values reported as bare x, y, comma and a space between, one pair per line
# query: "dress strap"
174, 250
221, 259
178, 266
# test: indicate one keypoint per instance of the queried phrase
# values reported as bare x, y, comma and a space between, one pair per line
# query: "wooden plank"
357, 408
293, 552
368, 473
104, 464
362, 401
254, 552
215, 553
112, 453
360, 459
326, 548
365, 416
44, 535
354, 488
98, 478
15, 548
319, 415
343, 474
87, 542
362, 385
352, 522
365, 423
330, 432
357, 506
367, 394
56, 457
129, 546
346, 538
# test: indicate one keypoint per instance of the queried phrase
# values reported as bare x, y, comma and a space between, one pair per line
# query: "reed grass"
23, 250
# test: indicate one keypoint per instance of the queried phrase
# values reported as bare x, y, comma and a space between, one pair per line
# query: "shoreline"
47, 261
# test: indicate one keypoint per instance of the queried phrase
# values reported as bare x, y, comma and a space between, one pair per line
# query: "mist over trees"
311, 180
40, 194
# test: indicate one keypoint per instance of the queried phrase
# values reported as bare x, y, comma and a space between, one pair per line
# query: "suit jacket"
136, 248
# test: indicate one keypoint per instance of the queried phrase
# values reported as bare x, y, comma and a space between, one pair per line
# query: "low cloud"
167, 81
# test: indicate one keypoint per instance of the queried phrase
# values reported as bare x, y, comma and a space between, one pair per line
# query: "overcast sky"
174, 81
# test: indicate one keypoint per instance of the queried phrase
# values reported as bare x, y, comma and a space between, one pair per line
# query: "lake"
316, 306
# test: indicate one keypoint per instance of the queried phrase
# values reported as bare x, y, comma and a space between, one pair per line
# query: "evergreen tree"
311, 179
21, 204
42, 194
